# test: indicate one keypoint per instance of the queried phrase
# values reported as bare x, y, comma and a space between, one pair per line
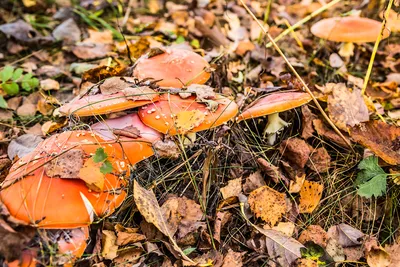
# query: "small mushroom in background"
173, 114
135, 138
271, 105
348, 30
59, 186
173, 67
112, 95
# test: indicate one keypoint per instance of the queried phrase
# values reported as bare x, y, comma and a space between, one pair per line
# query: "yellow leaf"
91, 174
233, 189
51, 126
295, 186
310, 195
187, 120
109, 248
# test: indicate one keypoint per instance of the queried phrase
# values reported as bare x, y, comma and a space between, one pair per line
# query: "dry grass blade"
296, 74
147, 205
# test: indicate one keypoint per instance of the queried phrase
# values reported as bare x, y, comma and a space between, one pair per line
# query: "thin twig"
378, 40
305, 87
301, 22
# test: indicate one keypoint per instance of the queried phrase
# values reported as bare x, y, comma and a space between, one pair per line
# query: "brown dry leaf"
183, 215
139, 93
109, 248
394, 253
382, 138
44, 108
376, 255
23, 145
147, 205
49, 84
328, 133
286, 228
166, 149
296, 150
187, 120
244, 47
307, 122
128, 235
319, 160
305, 263
103, 37
314, 233
113, 85
26, 110
273, 171
128, 257
346, 108
102, 72
253, 181
89, 51
267, 204
66, 165
90, 173
222, 217
233, 189
233, 259
203, 92
346, 235
297, 185
51, 126
310, 195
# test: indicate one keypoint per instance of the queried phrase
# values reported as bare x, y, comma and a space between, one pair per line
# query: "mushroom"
112, 95
271, 105
348, 30
48, 188
135, 138
173, 68
162, 115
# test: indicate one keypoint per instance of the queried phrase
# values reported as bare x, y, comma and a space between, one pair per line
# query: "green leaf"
34, 82
26, 77
195, 43
6, 73
180, 39
3, 103
26, 86
374, 187
371, 180
106, 167
17, 74
188, 250
100, 155
11, 88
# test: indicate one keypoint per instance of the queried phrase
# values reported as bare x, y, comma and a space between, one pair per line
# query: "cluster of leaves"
101, 157
371, 180
12, 79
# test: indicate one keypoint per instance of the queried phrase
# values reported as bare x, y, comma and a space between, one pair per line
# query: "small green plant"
101, 156
371, 180
12, 79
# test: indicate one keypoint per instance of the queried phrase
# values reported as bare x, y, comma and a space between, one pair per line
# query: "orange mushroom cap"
174, 67
28, 259
135, 149
274, 103
348, 29
91, 105
51, 202
161, 115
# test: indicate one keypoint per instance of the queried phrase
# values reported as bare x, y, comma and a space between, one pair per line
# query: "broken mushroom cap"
49, 187
134, 137
98, 104
348, 29
175, 68
275, 103
162, 116
28, 259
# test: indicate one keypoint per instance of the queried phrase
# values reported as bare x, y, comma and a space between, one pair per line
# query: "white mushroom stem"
275, 125
346, 50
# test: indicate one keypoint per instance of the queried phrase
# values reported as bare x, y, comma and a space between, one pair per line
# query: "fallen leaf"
335, 250
128, 257
91, 174
139, 93
23, 145
147, 205
310, 195
296, 185
346, 235
376, 255
267, 204
307, 122
6, 115
296, 151
252, 182
347, 108
113, 85
319, 160
103, 37
127, 236
273, 171
166, 149
232, 189
68, 32
222, 217
51, 126
232, 259
44, 108
25, 33
66, 165
305, 263
383, 139
89, 51
394, 253
244, 47
26, 110
109, 247
49, 84
187, 120
328, 133
314, 233
286, 228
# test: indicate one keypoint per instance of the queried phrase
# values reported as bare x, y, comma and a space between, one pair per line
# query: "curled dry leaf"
267, 204
139, 93
307, 122
296, 151
253, 181
310, 195
296, 185
320, 160
222, 217
109, 247
127, 236
273, 171
113, 85
328, 133
232, 189
314, 233
346, 108
382, 138
66, 165
23, 145
376, 255
166, 149
346, 235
